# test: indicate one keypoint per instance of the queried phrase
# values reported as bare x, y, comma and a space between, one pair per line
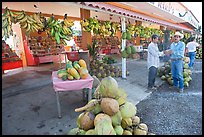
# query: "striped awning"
130, 14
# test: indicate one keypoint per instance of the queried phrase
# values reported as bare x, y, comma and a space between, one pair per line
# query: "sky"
196, 9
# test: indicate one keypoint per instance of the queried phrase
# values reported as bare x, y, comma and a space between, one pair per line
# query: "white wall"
56, 8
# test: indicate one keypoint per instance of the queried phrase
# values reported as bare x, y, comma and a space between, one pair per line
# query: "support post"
123, 48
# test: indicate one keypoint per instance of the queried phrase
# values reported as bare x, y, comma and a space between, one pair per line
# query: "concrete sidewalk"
28, 98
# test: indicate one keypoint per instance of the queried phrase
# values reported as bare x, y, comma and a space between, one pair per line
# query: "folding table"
70, 85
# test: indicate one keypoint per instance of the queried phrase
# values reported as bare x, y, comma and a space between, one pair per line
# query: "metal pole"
123, 48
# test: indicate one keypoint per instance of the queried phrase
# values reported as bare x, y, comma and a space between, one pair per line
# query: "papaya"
83, 72
74, 73
133, 50
124, 54
76, 65
124, 35
128, 37
68, 66
64, 77
82, 63
70, 77
128, 50
61, 73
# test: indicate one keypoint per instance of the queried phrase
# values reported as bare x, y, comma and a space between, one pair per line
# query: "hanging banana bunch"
114, 27
7, 19
58, 30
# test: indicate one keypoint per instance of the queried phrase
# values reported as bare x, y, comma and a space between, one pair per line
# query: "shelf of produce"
12, 65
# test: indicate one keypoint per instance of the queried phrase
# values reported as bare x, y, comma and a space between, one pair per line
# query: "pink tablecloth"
68, 85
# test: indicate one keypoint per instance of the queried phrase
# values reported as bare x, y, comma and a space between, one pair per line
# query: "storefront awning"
129, 14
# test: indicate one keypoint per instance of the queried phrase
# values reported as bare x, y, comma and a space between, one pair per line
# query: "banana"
41, 25
11, 13
64, 31
4, 17
24, 19
37, 17
52, 22
34, 28
9, 29
18, 12
57, 37
5, 23
31, 19
69, 31
5, 32
28, 28
2, 33
9, 20
6, 13
20, 16
52, 31
24, 25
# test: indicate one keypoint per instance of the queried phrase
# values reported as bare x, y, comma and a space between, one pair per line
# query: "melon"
116, 119
118, 130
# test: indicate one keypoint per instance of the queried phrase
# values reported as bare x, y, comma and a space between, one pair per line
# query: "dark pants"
151, 76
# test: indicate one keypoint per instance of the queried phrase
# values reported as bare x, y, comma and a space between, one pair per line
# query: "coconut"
127, 132
118, 130
87, 121
142, 129
76, 131
104, 127
126, 122
116, 119
90, 132
128, 110
108, 87
121, 96
100, 117
135, 120
109, 106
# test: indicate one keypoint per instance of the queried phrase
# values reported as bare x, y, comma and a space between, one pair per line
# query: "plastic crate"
73, 56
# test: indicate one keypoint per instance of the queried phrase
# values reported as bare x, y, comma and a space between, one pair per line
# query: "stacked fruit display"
198, 53
128, 51
102, 70
165, 72
109, 113
76, 70
59, 30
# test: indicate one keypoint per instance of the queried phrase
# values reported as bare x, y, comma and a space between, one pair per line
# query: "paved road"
167, 112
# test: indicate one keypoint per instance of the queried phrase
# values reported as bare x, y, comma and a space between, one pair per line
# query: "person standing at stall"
191, 49
177, 50
153, 61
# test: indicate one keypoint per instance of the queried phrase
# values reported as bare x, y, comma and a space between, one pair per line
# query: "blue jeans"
192, 58
177, 73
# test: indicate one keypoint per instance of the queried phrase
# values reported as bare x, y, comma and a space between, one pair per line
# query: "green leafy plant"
93, 50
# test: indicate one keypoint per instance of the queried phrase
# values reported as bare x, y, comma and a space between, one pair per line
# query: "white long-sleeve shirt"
153, 55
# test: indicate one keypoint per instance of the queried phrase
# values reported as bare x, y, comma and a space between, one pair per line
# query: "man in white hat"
177, 49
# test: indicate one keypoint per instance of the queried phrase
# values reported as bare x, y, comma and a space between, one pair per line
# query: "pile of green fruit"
165, 72
102, 70
108, 60
109, 113
198, 53
129, 50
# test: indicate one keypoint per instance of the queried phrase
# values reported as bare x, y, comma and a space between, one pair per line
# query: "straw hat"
178, 34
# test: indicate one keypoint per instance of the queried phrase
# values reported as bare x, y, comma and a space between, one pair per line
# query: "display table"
12, 65
70, 85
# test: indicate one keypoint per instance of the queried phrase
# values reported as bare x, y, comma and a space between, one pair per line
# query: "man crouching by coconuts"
153, 61
176, 52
